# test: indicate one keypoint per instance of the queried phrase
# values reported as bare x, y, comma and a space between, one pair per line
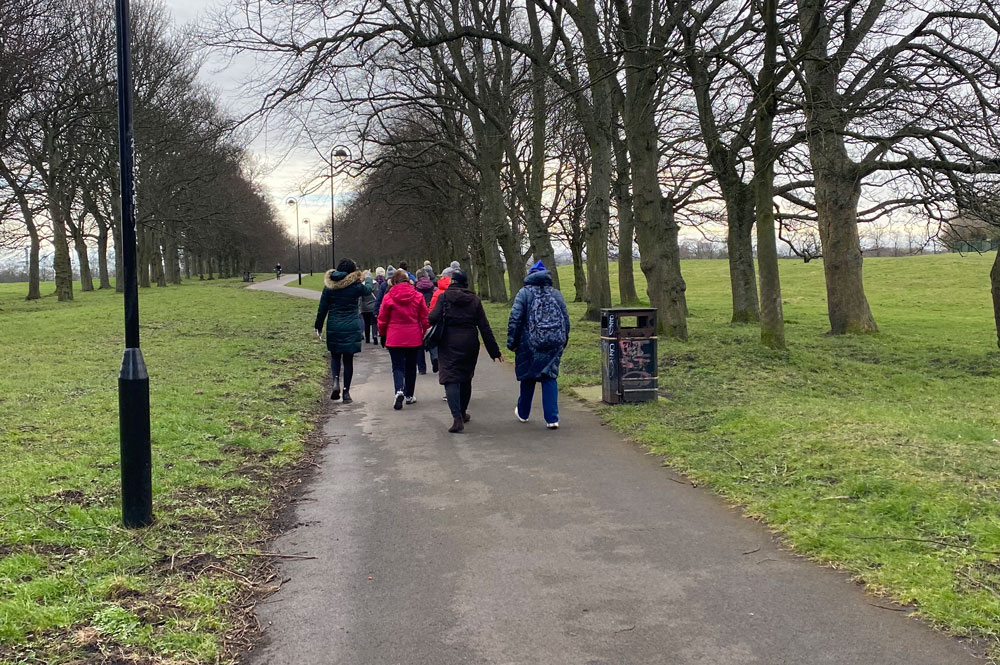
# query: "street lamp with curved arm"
337, 152
298, 245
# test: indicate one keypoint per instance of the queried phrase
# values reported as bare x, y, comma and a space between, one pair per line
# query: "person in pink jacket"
402, 322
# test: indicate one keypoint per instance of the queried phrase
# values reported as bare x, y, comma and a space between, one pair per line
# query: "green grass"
878, 455
235, 384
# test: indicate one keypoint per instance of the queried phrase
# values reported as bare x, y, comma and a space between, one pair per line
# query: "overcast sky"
286, 175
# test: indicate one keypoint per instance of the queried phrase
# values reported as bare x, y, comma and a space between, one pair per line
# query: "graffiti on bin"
636, 359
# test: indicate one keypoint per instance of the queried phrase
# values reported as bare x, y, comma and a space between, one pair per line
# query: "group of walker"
397, 309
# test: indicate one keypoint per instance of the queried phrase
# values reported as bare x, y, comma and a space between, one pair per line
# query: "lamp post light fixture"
338, 152
298, 243
310, 234
133, 380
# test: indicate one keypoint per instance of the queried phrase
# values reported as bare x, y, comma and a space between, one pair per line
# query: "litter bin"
629, 370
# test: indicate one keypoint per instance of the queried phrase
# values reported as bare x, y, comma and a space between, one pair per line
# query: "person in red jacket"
402, 322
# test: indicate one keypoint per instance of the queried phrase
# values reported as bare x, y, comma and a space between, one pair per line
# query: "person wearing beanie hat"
458, 350
380, 272
455, 265
537, 332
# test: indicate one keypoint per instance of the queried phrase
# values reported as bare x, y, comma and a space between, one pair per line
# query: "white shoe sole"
518, 416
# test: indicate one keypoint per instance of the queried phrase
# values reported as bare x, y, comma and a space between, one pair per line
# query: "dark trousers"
421, 360
348, 367
368, 323
550, 398
404, 368
458, 395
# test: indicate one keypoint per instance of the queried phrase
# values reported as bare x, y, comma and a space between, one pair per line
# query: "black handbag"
433, 335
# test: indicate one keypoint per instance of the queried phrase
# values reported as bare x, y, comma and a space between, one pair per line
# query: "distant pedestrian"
402, 322
277, 270
338, 305
368, 314
458, 350
537, 332
425, 284
379, 291
442, 285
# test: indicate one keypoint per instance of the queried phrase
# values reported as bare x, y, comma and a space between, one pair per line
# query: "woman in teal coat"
342, 289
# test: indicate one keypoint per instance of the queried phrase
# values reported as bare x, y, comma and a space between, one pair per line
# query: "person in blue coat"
537, 333
341, 291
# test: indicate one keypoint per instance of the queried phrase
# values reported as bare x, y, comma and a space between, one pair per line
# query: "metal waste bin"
629, 370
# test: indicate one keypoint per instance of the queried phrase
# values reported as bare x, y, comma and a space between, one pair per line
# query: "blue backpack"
546, 325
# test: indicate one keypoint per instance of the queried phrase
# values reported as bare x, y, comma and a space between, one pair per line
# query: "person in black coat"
458, 351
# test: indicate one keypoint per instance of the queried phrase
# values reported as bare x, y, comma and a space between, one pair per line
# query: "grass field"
235, 383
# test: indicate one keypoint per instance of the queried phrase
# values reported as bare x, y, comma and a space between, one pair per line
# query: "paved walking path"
281, 285
510, 544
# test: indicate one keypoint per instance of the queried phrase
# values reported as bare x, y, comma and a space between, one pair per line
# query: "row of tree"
505, 123
199, 208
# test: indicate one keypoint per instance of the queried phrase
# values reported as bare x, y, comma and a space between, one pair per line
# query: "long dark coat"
530, 363
465, 321
341, 292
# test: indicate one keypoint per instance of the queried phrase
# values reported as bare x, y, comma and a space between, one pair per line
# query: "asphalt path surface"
512, 544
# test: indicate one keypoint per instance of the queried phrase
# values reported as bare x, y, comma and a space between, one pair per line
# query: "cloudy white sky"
286, 172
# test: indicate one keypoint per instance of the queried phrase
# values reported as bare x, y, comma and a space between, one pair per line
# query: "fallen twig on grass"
752, 551
932, 541
891, 609
734, 457
277, 555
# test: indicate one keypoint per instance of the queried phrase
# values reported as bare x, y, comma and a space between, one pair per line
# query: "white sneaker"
554, 425
411, 400
518, 416
444, 397
398, 404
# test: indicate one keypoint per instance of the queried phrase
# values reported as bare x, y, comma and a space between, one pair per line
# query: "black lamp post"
133, 381
298, 243
310, 232
340, 152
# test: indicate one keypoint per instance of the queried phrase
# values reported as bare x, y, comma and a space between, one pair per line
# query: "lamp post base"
136, 452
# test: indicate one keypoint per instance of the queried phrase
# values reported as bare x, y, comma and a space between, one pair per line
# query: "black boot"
434, 365
466, 417
336, 388
457, 426
347, 396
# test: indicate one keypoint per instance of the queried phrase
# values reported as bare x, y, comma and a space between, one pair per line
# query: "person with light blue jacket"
537, 332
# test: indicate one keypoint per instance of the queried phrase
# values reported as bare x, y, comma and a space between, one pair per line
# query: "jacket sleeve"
516, 320
368, 285
486, 331
324, 307
436, 312
565, 313
422, 316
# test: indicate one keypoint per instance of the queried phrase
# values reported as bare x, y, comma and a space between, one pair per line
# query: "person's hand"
381, 340
318, 335
499, 359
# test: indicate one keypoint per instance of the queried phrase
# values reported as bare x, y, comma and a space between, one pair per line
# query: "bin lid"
627, 310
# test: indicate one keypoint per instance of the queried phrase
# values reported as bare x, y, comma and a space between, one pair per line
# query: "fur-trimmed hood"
334, 279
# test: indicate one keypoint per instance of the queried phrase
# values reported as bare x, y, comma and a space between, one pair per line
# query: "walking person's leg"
410, 383
453, 392
335, 370
421, 360
466, 397
397, 355
367, 323
348, 375
434, 360
550, 402
523, 408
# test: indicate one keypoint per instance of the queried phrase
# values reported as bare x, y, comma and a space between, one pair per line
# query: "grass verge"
235, 385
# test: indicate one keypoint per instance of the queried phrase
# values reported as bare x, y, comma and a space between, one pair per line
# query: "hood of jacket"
334, 279
424, 284
404, 294
538, 278
444, 283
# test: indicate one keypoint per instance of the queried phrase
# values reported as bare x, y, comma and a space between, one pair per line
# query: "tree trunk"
156, 259
116, 234
596, 230
772, 321
143, 258
102, 253
995, 289
187, 264
493, 215
626, 226
837, 181
579, 271
82, 255
659, 259
743, 281
61, 264
34, 282
516, 271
